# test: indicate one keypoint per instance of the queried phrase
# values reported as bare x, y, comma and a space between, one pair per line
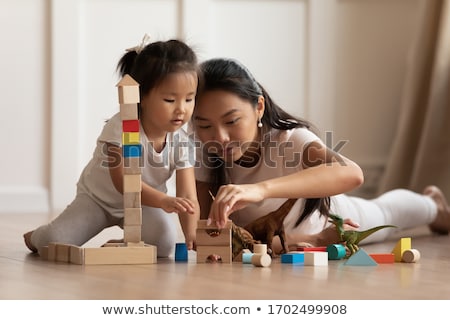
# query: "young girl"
167, 73
255, 156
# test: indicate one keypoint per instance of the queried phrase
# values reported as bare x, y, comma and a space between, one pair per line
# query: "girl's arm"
149, 196
326, 173
186, 189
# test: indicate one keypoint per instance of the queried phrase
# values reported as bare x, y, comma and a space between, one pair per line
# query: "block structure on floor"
213, 243
132, 250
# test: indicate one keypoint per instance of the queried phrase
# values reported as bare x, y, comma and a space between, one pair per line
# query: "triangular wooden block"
402, 245
360, 258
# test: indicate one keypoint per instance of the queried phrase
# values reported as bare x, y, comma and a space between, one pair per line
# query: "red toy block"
130, 125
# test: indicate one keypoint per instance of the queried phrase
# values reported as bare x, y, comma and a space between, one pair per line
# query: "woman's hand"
330, 235
231, 198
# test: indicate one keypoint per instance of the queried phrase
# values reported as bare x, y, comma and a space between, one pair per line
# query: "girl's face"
227, 124
169, 106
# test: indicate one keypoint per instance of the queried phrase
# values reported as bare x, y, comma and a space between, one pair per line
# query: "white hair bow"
145, 41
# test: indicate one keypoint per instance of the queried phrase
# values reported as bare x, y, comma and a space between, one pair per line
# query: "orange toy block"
383, 257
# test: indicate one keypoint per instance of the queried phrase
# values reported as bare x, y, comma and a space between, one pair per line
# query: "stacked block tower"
132, 250
132, 154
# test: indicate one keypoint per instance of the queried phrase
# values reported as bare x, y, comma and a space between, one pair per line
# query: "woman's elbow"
356, 178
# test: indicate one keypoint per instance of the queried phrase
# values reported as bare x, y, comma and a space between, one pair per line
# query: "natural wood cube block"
133, 165
132, 217
132, 200
129, 111
132, 183
204, 253
132, 233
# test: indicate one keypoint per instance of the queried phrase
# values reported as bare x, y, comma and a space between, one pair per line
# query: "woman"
255, 156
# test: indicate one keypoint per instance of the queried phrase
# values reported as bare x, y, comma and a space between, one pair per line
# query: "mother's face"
225, 123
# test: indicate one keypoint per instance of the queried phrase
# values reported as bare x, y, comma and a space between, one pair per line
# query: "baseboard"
24, 200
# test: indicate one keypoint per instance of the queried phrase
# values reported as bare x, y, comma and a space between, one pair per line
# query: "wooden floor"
26, 276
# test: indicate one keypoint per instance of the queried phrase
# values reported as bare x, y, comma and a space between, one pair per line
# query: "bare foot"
27, 239
441, 224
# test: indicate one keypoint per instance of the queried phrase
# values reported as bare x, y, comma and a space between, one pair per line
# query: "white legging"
402, 208
84, 218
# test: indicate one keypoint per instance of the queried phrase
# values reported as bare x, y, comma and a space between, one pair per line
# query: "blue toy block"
131, 150
181, 252
336, 251
360, 258
293, 258
247, 257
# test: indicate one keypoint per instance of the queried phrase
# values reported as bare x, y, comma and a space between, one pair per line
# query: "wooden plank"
120, 255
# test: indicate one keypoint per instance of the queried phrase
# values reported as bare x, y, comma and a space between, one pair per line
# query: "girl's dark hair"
230, 75
156, 60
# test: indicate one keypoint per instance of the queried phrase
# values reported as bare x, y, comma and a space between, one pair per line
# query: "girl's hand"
177, 205
231, 198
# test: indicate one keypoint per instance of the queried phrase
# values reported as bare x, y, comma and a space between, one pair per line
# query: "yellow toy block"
402, 245
130, 138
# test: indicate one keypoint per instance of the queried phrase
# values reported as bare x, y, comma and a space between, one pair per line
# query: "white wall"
339, 63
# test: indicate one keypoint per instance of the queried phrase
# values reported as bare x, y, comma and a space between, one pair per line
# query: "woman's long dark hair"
230, 75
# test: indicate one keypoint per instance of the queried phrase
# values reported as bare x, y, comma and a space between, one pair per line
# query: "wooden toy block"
76, 255
402, 245
51, 251
132, 183
316, 258
132, 217
128, 90
134, 244
131, 150
383, 257
261, 260
129, 111
120, 255
43, 252
62, 252
132, 233
181, 252
223, 252
360, 258
132, 200
131, 125
133, 165
336, 251
213, 237
293, 258
411, 255
322, 249
260, 248
247, 257
238, 257
202, 224
130, 138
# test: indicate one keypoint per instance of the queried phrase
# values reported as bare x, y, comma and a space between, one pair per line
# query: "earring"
260, 123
